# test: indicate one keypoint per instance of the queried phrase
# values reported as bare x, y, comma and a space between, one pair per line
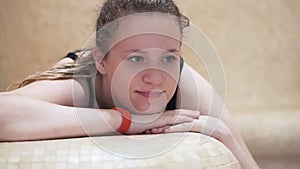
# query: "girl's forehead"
141, 25
148, 41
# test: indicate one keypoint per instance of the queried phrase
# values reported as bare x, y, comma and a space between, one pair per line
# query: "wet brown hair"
112, 10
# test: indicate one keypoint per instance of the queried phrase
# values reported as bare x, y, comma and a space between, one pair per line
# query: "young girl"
134, 78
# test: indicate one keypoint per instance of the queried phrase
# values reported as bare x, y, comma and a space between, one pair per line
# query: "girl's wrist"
113, 119
125, 122
138, 125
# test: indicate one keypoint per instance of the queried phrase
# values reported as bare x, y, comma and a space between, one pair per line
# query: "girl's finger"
159, 130
206, 125
167, 119
183, 127
185, 112
179, 119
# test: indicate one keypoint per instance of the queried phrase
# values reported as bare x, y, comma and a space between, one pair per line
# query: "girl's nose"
153, 76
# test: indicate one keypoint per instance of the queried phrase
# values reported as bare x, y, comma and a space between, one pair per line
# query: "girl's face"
141, 72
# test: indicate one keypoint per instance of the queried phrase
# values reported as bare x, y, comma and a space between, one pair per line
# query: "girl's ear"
99, 61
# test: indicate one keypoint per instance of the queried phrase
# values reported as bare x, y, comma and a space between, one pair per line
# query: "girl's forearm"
25, 118
241, 153
237, 145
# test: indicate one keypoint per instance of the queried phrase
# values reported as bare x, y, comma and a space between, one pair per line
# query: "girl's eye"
169, 58
136, 59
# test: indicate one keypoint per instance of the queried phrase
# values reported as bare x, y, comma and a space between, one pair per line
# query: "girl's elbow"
5, 116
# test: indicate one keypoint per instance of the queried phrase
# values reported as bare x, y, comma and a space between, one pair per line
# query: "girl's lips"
152, 93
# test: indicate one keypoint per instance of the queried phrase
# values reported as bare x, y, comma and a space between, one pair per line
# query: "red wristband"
126, 120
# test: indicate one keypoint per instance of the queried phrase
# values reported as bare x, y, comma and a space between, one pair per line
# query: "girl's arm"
44, 110
25, 118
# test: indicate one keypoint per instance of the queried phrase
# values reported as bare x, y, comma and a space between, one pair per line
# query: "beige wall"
258, 42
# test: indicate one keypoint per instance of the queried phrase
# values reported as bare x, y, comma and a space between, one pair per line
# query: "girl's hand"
207, 125
143, 123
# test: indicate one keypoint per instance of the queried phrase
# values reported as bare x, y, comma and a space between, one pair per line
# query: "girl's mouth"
151, 93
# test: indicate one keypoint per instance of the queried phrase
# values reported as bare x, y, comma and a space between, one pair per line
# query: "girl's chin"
148, 109
151, 106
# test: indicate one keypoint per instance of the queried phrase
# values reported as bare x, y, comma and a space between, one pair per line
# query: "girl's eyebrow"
172, 51
142, 51
135, 51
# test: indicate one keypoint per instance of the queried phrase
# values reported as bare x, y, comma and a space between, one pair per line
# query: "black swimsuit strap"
73, 56
91, 93
173, 102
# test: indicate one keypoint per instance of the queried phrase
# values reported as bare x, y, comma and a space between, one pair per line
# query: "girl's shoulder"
193, 86
68, 92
